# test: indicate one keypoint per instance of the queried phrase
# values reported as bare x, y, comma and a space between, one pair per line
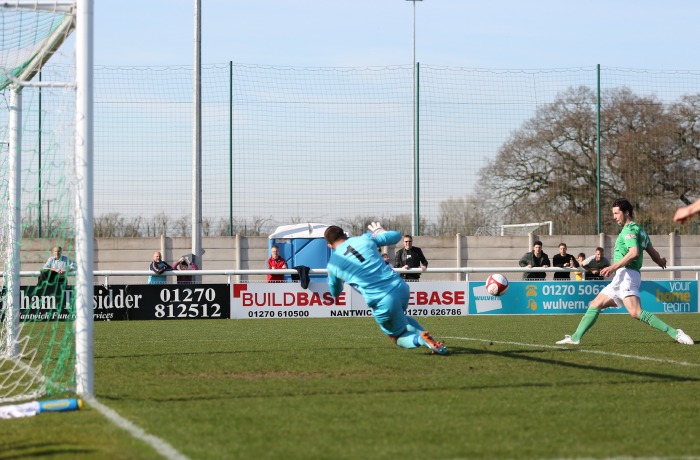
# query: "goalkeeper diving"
358, 262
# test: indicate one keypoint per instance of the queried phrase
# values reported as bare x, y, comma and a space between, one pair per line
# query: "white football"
496, 284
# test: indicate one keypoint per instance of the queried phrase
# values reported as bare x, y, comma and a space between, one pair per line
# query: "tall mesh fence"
285, 145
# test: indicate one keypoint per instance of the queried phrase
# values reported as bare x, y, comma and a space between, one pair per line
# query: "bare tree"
547, 170
463, 215
182, 226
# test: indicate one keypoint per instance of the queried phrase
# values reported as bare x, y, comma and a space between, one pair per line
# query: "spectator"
535, 258
185, 264
410, 256
56, 267
386, 258
563, 260
595, 264
275, 262
158, 266
578, 276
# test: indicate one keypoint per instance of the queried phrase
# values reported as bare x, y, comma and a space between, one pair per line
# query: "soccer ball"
496, 284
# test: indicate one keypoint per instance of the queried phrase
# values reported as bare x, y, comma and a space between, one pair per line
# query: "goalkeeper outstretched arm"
383, 237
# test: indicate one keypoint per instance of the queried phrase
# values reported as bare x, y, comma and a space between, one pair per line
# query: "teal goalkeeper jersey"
632, 234
357, 261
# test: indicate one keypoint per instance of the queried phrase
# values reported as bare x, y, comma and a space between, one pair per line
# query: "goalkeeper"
357, 262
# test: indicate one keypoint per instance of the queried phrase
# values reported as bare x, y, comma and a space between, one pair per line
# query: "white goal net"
45, 198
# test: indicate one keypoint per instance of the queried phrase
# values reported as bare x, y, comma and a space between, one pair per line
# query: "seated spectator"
595, 263
158, 266
185, 264
535, 258
275, 262
563, 260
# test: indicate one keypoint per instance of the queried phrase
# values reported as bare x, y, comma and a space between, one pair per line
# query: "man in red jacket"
275, 262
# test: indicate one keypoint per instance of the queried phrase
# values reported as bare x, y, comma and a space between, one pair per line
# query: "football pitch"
338, 389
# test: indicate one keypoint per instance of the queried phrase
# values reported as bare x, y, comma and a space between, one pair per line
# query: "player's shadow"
529, 355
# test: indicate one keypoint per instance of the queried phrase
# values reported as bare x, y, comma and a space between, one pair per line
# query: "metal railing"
322, 271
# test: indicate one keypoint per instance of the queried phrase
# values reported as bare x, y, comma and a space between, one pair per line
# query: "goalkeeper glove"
375, 228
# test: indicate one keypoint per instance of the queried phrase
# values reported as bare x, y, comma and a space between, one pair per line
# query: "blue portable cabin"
301, 244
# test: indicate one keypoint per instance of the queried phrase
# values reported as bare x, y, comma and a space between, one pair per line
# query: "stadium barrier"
236, 300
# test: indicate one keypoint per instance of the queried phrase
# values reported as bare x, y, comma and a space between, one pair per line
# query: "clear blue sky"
513, 34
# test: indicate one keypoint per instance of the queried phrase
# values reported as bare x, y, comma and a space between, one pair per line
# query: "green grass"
338, 389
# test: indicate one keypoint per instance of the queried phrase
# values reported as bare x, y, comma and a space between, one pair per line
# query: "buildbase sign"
289, 300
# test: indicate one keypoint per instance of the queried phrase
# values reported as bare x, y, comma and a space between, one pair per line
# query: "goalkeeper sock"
587, 322
408, 340
653, 321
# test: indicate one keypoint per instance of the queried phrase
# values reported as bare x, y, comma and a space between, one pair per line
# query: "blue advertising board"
562, 297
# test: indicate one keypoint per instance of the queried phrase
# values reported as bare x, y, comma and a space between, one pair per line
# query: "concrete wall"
251, 252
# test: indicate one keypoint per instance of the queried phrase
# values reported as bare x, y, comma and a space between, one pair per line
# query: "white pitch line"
160, 446
580, 350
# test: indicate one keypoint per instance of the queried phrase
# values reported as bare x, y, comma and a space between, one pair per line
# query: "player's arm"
388, 238
335, 285
655, 256
687, 211
383, 237
632, 253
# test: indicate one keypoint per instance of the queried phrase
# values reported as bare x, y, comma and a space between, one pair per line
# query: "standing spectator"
275, 262
687, 211
357, 262
595, 264
185, 264
578, 276
623, 290
56, 267
158, 266
410, 256
536, 258
563, 260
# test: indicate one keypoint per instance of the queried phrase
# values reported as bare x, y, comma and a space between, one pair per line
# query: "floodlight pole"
197, 140
416, 162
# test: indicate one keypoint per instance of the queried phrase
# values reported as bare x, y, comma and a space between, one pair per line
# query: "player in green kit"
624, 288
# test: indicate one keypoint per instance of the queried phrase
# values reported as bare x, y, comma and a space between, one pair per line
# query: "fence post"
458, 243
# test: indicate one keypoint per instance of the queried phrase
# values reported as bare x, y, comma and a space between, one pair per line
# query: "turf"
337, 388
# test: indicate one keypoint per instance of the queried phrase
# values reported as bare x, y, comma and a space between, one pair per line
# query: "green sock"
587, 322
653, 321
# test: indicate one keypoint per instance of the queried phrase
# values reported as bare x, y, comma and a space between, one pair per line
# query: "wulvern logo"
485, 302
531, 291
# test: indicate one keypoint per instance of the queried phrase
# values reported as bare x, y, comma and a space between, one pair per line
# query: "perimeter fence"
284, 145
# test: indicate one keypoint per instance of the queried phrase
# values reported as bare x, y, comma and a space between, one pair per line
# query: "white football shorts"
624, 284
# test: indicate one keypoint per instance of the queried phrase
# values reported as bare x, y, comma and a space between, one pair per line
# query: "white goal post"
33, 31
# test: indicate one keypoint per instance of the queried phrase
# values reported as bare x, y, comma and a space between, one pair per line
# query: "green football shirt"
632, 234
